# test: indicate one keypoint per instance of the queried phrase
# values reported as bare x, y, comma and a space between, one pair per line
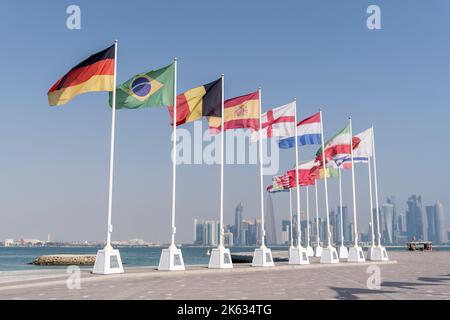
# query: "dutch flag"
308, 133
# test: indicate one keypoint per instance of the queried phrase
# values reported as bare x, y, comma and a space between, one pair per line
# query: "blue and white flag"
308, 133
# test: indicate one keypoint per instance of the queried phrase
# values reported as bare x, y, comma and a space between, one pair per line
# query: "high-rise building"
199, 233
228, 239
414, 218
211, 233
256, 239
285, 231
440, 225
345, 222
431, 227
238, 225
396, 232
271, 233
388, 215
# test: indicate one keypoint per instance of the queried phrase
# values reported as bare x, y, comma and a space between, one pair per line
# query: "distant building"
396, 231
271, 233
238, 232
285, 232
228, 239
388, 218
9, 242
199, 231
345, 222
414, 218
431, 227
440, 224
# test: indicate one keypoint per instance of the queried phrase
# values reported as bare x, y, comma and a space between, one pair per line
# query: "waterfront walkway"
409, 275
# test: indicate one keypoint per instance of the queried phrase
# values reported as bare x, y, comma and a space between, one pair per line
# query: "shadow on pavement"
350, 293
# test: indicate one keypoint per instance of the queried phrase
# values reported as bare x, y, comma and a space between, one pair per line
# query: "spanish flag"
240, 113
96, 73
203, 101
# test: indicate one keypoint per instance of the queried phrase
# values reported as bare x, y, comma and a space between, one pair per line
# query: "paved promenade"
409, 275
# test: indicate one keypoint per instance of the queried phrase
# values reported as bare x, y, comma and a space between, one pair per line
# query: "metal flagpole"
299, 229
317, 213
371, 203
174, 160
325, 182
290, 224
340, 207
111, 155
376, 188
222, 164
261, 172
307, 217
355, 225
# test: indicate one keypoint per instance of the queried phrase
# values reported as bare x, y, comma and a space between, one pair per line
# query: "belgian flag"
96, 73
203, 101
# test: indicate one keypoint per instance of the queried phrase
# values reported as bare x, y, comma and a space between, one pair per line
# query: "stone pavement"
409, 275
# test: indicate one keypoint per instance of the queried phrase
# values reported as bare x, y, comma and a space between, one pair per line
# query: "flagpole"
174, 160
355, 224
299, 229
371, 203
340, 207
111, 154
290, 224
307, 217
261, 172
222, 163
376, 187
317, 213
325, 182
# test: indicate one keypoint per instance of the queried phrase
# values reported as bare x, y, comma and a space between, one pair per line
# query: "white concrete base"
318, 251
262, 257
310, 251
108, 261
356, 254
220, 258
171, 260
377, 254
298, 255
343, 252
329, 255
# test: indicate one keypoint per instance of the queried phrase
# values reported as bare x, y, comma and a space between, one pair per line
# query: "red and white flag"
278, 122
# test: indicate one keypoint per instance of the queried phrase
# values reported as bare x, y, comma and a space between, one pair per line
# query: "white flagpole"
376, 188
355, 225
174, 160
222, 164
290, 224
340, 208
317, 213
299, 229
325, 182
111, 155
261, 171
371, 203
307, 218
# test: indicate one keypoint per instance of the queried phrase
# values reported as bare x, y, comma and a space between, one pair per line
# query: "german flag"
203, 101
96, 73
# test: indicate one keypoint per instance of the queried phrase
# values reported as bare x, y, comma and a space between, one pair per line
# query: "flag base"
343, 252
318, 251
309, 251
220, 258
356, 254
377, 253
171, 259
108, 261
262, 257
329, 255
298, 255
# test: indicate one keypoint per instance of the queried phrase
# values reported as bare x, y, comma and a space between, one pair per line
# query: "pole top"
222, 75
115, 41
320, 109
259, 88
349, 117
295, 99
175, 59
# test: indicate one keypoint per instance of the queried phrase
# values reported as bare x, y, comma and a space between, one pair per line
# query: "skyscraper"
431, 227
210, 233
238, 224
388, 220
271, 233
199, 233
345, 222
396, 232
285, 231
440, 226
414, 218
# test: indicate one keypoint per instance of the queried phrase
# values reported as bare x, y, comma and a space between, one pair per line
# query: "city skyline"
55, 160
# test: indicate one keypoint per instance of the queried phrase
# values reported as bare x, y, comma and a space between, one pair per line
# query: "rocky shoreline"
65, 260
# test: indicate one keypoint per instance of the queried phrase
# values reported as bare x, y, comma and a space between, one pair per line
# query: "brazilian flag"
144, 90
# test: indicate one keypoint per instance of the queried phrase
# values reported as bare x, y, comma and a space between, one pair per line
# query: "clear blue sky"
54, 161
